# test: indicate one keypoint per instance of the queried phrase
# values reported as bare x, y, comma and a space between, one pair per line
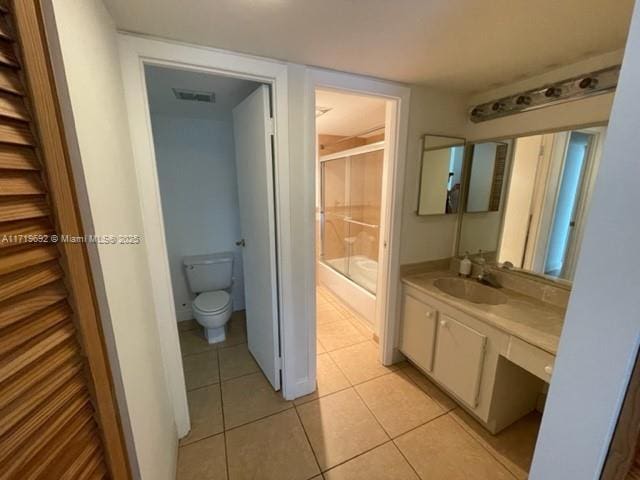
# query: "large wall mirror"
440, 175
536, 223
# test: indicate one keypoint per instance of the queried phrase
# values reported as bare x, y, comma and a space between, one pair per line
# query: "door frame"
396, 133
136, 51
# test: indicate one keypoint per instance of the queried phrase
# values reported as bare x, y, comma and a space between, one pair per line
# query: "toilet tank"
206, 273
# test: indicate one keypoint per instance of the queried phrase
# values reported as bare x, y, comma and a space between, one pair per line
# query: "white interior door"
252, 125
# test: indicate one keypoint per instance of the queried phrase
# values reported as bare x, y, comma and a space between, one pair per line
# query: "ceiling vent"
194, 96
321, 111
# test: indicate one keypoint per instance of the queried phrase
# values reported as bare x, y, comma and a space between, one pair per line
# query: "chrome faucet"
483, 276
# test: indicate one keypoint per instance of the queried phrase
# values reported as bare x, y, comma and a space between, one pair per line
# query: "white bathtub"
358, 292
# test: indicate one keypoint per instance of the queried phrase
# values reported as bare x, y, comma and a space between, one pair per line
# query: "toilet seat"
212, 302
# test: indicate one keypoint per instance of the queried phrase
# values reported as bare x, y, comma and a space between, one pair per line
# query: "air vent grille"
194, 96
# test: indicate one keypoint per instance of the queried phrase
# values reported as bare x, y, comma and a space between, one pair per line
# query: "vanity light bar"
594, 83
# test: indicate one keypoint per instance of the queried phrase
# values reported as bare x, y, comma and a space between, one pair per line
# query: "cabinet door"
418, 332
459, 358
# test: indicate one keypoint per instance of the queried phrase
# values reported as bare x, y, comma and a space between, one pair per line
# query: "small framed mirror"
440, 175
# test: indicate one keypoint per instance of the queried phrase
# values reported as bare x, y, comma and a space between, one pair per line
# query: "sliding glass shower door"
351, 191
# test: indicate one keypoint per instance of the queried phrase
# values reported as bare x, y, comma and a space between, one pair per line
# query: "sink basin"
471, 291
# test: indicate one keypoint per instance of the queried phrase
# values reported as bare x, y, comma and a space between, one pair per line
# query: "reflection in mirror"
540, 225
488, 161
440, 175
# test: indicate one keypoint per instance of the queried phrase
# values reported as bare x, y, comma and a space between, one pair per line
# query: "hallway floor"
365, 421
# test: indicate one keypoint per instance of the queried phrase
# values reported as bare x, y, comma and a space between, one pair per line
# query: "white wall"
199, 191
599, 342
92, 66
438, 113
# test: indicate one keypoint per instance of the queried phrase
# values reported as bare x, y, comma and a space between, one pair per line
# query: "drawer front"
533, 359
418, 332
459, 359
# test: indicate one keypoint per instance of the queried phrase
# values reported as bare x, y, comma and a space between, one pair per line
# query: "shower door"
351, 190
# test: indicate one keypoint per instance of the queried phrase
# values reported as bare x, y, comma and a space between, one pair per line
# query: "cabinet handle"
548, 369
429, 314
444, 323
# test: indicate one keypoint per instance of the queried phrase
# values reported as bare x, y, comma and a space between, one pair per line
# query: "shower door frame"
396, 133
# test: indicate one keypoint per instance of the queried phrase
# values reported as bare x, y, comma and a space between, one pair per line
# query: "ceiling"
349, 114
228, 91
457, 45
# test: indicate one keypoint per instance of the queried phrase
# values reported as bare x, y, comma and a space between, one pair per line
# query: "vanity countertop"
527, 318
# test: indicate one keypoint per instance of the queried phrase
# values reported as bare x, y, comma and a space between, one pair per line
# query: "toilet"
210, 278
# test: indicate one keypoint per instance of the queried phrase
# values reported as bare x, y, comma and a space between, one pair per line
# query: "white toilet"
210, 278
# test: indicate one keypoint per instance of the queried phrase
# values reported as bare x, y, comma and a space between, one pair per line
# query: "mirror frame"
461, 143
541, 277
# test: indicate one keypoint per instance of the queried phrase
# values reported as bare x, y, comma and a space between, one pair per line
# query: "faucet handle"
481, 260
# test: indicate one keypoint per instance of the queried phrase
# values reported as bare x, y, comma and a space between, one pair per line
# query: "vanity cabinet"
492, 374
459, 358
417, 339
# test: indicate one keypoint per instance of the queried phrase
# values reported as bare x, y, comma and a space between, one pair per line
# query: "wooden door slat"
32, 351
18, 158
17, 133
20, 183
54, 453
24, 232
20, 408
88, 456
69, 403
12, 106
12, 209
25, 280
67, 352
7, 55
23, 332
18, 258
10, 82
17, 308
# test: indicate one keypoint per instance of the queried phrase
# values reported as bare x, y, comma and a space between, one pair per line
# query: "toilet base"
215, 335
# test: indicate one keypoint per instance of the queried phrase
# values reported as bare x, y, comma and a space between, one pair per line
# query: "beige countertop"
527, 318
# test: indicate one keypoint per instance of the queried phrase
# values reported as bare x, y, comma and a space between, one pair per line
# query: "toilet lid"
212, 301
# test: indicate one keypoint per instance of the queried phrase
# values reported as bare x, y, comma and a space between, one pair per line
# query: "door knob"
548, 369
429, 314
240, 242
443, 323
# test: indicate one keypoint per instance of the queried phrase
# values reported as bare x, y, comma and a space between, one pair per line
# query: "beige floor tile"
187, 325
397, 402
382, 463
329, 377
340, 427
320, 348
328, 315
249, 398
339, 334
513, 447
203, 460
236, 361
360, 362
275, 448
201, 369
442, 450
205, 412
193, 341
362, 326
430, 388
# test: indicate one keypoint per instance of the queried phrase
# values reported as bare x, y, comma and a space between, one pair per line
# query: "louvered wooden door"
58, 417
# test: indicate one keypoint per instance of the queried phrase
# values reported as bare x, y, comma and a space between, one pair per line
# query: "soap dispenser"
465, 266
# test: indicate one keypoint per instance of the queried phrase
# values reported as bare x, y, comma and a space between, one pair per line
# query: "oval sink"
472, 291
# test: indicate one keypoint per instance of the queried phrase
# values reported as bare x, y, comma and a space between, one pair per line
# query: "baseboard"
184, 314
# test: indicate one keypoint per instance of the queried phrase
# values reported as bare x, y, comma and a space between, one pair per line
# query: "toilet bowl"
213, 310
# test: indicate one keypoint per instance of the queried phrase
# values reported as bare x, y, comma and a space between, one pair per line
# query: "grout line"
224, 428
260, 418
203, 386
226, 380
315, 457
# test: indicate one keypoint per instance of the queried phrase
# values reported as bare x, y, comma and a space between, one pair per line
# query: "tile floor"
364, 421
